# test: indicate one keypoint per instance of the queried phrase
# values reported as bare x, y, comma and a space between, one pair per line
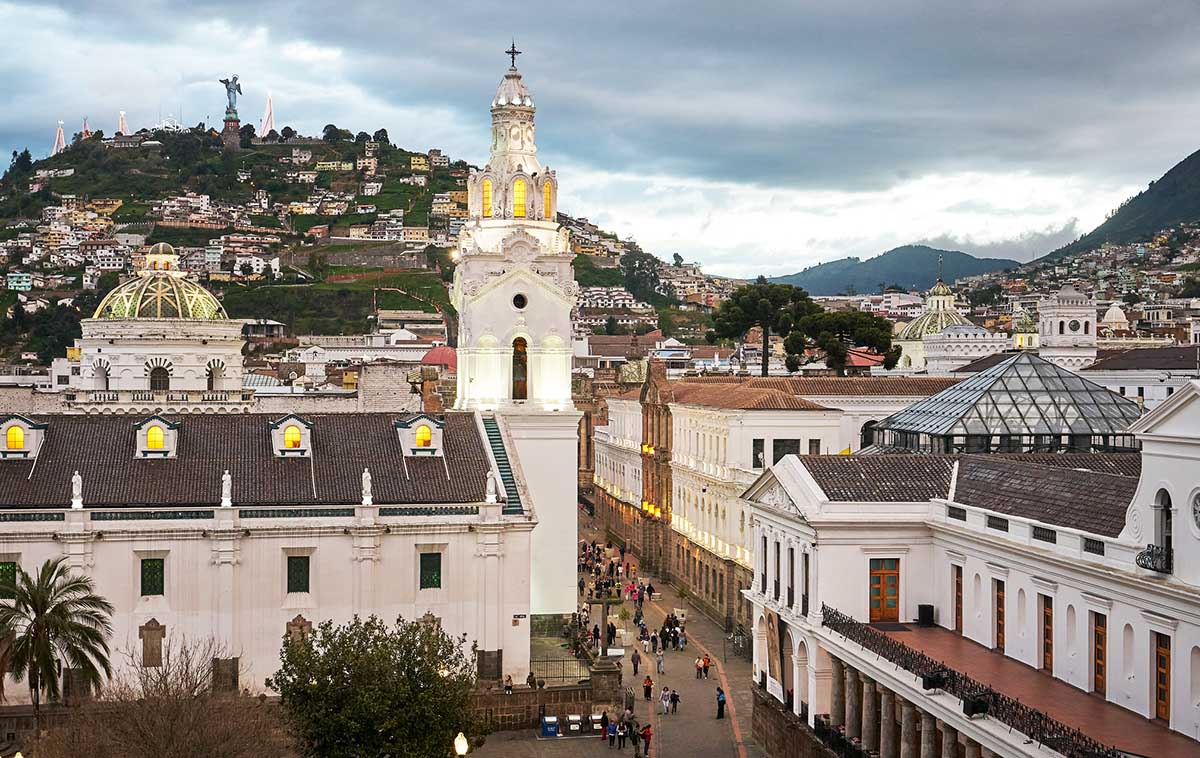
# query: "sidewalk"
694, 730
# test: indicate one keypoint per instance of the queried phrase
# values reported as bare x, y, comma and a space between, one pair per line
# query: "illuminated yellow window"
424, 436
519, 198
291, 437
14, 439
547, 201
154, 438
487, 198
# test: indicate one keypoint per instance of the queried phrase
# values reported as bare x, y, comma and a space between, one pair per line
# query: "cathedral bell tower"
514, 290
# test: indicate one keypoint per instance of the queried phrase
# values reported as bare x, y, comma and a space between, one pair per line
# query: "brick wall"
25, 400
525, 707
783, 735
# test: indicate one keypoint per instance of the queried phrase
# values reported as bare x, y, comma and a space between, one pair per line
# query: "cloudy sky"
754, 137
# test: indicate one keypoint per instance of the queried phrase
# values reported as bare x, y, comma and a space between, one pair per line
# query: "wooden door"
885, 589
1047, 633
1099, 653
999, 601
958, 600
1162, 674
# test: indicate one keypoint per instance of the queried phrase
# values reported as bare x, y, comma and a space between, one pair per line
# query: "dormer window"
291, 436
20, 437
156, 438
421, 435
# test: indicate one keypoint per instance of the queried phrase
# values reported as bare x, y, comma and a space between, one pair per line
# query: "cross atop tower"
939, 267
513, 52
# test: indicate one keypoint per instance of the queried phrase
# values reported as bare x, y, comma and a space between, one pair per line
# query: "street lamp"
460, 744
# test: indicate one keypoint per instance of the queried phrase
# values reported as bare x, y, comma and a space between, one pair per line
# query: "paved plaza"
694, 730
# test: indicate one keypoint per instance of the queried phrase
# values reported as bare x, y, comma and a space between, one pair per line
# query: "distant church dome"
441, 355
939, 314
1023, 323
1115, 317
161, 291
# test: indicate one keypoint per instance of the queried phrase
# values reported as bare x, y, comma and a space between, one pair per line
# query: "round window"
1074, 325
519, 302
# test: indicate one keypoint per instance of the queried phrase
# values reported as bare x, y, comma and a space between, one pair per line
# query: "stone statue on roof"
76, 490
226, 490
367, 499
491, 487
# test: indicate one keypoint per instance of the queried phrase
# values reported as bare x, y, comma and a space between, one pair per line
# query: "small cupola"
291, 436
156, 438
421, 435
20, 437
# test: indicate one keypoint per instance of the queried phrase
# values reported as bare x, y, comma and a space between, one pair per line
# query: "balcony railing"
1156, 558
1035, 724
214, 397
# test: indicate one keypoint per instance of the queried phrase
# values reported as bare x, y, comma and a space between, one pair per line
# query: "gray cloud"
1024, 247
800, 96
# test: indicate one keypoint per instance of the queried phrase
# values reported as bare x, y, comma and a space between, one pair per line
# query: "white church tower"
1067, 329
514, 291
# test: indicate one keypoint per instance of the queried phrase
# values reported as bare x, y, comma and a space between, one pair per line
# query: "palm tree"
50, 619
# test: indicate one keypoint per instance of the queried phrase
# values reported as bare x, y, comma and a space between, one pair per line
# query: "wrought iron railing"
1156, 558
1035, 724
559, 670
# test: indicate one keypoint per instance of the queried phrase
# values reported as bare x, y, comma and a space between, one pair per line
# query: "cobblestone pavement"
694, 730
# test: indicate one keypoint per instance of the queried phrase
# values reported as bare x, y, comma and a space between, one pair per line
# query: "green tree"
331, 133
362, 137
287, 133
367, 689
247, 134
1131, 299
834, 332
641, 276
318, 266
55, 621
381, 135
22, 163
770, 307
612, 327
271, 136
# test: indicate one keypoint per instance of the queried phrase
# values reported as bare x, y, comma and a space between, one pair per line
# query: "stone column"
908, 730
870, 715
853, 704
837, 693
928, 736
887, 723
973, 749
949, 741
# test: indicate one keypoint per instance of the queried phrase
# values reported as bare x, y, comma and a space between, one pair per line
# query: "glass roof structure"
1022, 404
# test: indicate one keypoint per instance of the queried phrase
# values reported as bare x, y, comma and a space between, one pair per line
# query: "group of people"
626, 727
612, 576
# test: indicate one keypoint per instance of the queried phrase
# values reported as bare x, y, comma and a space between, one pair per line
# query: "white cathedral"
242, 526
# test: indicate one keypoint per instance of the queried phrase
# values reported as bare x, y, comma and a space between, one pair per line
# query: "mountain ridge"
909, 266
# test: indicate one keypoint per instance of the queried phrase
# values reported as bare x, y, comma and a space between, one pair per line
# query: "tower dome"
160, 290
939, 314
512, 91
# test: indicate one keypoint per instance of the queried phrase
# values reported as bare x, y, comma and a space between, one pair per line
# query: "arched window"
102, 378
866, 437
160, 379
547, 202
154, 438
1062, 326
1087, 325
215, 373
1163, 536
424, 436
487, 198
520, 370
519, 198
14, 439
291, 437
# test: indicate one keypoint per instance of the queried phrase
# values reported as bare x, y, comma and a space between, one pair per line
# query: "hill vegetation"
907, 267
1172, 199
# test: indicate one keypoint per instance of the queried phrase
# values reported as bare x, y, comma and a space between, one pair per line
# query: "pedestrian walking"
654, 642
699, 667
645, 641
658, 662
647, 734
636, 659
612, 734
674, 701
647, 687
720, 703
665, 699
622, 730
635, 739
604, 725
707, 663
682, 640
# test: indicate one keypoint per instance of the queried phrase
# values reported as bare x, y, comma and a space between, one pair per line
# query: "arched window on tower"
160, 379
520, 370
547, 201
1087, 327
519, 198
102, 378
487, 198
1062, 326
215, 373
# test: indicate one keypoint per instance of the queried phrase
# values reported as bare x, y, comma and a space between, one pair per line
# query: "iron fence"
559, 670
1035, 724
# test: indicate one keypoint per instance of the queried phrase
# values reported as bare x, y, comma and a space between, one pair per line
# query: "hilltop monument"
231, 134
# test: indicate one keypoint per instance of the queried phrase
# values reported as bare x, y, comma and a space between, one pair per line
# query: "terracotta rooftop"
741, 397
914, 386
102, 449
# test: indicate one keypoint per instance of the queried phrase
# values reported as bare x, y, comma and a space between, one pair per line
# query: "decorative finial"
939, 267
513, 52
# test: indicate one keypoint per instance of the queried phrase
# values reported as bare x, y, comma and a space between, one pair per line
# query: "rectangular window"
1162, 674
1044, 534
955, 512
958, 598
756, 455
791, 579
884, 589
1047, 633
780, 448
1099, 653
431, 571
814, 447
8, 578
995, 522
1095, 547
777, 570
998, 600
297, 573
152, 576
1141, 392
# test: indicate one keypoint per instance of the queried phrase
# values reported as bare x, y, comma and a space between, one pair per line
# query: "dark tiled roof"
1186, 358
881, 478
986, 362
1085, 500
102, 448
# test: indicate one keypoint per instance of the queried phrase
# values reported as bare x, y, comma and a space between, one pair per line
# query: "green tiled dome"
161, 294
